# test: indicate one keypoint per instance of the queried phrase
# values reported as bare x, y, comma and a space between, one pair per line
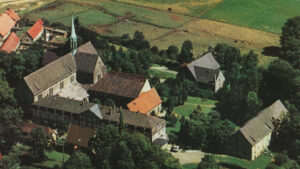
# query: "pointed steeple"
73, 39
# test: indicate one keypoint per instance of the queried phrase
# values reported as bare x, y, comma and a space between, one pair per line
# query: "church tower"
73, 39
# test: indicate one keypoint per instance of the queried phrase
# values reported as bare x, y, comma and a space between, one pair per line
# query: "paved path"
188, 156
164, 69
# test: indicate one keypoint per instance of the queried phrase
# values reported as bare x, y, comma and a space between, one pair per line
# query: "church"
65, 76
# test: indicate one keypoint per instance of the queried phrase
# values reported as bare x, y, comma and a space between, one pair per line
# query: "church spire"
73, 39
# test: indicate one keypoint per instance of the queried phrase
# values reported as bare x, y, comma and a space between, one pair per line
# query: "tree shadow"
271, 51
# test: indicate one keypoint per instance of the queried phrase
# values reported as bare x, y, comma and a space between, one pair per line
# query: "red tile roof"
6, 23
145, 102
11, 43
36, 29
12, 14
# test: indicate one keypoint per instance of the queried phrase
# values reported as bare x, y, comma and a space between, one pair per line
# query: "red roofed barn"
12, 14
34, 33
11, 44
147, 103
6, 24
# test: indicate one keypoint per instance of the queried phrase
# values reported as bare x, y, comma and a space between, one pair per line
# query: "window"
72, 79
61, 85
50, 91
40, 96
99, 77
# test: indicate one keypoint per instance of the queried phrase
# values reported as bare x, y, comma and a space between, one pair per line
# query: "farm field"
155, 17
257, 14
190, 7
161, 28
129, 27
192, 103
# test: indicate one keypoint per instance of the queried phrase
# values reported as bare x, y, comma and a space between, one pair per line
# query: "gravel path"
188, 156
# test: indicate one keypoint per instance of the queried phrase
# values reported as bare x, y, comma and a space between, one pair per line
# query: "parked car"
175, 148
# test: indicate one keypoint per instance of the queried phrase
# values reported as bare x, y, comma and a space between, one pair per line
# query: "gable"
261, 125
50, 74
146, 102
36, 29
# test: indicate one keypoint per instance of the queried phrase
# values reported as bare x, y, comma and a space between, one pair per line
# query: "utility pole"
63, 152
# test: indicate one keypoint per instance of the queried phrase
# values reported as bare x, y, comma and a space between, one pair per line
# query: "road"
4, 3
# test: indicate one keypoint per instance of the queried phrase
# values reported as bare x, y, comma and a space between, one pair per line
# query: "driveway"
188, 156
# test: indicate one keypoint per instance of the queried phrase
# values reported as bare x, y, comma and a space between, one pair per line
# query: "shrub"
280, 159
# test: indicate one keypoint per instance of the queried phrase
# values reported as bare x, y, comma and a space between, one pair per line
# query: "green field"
259, 14
90, 17
264, 15
156, 17
189, 166
192, 103
62, 12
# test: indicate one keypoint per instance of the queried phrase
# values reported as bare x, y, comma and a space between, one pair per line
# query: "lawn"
189, 166
258, 14
54, 158
259, 163
192, 103
175, 129
151, 16
161, 74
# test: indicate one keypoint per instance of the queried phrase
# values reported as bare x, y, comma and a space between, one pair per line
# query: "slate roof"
87, 48
146, 102
131, 118
36, 29
12, 14
120, 84
51, 73
78, 135
11, 43
205, 68
64, 104
86, 62
6, 23
261, 125
49, 57
30, 127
